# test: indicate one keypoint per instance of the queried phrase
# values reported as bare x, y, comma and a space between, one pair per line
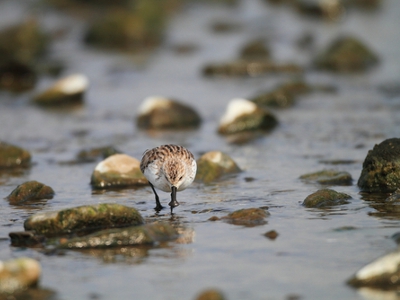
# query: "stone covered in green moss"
147, 234
243, 115
118, 170
162, 113
213, 165
18, 274
247, 217
30, 190
381, 168
326, 198
83, 218
347, 54
329, 177
12, 156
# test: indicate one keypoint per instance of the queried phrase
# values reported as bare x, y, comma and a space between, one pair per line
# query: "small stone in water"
211, 294
30, 190
213, 165
331, 177
247, 217
326, 198
214, 218
272, 234
12, 156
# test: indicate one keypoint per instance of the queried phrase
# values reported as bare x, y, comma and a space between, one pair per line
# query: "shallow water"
309, 258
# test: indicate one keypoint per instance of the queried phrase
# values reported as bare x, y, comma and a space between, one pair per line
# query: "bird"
170, 168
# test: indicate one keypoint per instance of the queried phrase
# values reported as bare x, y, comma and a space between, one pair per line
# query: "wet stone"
243, 116
148, 234
272, 234
211, 294
256, 49
247, 217
329, 177
346, 54
66, 91
30, 190
83, 219
92, 154
329, 10
17, 275
381, 168
26, 239
118, 170
382, 273
163, 113
12, 156
326, 198
213, 165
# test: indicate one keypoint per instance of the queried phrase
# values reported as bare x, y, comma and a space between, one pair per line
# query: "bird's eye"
180, 178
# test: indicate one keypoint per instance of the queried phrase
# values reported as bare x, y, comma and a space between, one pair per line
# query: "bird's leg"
173, 202
158, 204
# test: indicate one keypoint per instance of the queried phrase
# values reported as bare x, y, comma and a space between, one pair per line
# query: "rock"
329, 177
12, 156
118, 170
17, 77
382, 273
92, 154
83, 219
272, 234
26, 239
326, 198
381, 168
147, 234
213, 165
211, 294
253, 68
30, 190
162, 113
247, 217
255, 50
346, 54
66, 91
243, 115
330, 10
16, 275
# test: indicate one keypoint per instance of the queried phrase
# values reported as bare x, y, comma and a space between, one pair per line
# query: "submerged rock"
68, 90
83, 218
256, 49
211, 294
92, 154
330, 10
213, 165
12, 156
243, 115
26, 239
330, 177
19, 274
244, 67
381, 168
272, 234
164, 113
30, 190
326, 198
128, 236
118, 170
382, 273
247, 217
346, 54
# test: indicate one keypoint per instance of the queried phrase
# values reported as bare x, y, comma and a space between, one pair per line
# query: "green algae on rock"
247, 217
83, 219
163, 113
382, 273
18, 274
381, 168
329, 177
243, 115
326, 198
12, 156
148, 234
346, 54
30, 190
118, 170
68, 90
213, 165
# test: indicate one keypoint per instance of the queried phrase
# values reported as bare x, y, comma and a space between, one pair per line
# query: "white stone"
120, 163
72, 84
236, 108
386, 264
151, 103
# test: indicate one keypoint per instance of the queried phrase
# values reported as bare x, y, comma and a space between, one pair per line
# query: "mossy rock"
90, 155
12, 156
148, 234
326, 198
381, 168
347, 54
30, 190
82, 219
247, 217
213, 165
118, 170
211, 294
162, 113
329, 177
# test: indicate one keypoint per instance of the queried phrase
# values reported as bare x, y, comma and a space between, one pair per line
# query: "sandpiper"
170, 168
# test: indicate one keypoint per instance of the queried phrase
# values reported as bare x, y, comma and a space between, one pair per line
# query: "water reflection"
384, 208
